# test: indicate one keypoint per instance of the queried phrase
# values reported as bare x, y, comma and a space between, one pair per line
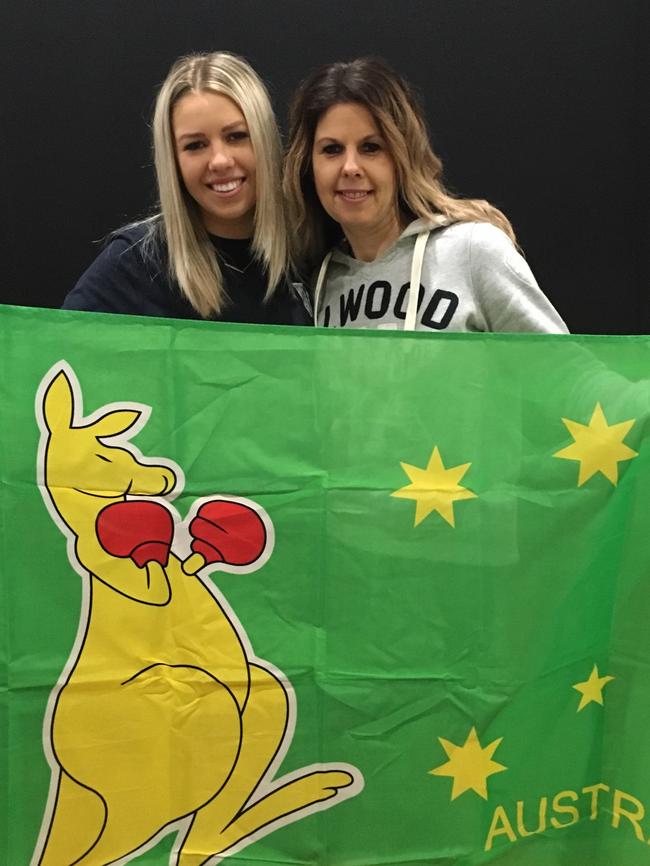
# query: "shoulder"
467, 245
485, 248
126, 275
489, 240
126, 247
136, 242
505, 288
480, 236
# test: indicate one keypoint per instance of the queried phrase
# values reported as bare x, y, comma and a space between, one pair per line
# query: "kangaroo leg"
264, 724
157, 748
286, 802
122, 835
77, 821
223, 822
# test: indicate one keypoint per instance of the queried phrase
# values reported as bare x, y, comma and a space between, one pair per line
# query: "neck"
235, 230
231, 233
369, 244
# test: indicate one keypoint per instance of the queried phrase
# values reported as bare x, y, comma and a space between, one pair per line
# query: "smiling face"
216, 161
355, 178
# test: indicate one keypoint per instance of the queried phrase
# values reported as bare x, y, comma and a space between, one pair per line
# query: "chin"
357, 224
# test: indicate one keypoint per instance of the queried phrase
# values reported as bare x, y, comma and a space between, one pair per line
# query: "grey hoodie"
473, 279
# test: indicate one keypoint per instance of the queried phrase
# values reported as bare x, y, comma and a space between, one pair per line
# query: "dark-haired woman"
371, 213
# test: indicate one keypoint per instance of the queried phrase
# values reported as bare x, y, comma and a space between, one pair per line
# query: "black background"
540, 106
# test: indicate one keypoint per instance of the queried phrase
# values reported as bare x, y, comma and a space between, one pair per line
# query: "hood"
412, 229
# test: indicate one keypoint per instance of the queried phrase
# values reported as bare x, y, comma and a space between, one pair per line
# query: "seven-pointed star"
592, 689
598, 446
469, 765
434, 488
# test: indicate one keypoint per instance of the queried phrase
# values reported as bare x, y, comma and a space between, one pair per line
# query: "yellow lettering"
542, 818
500, 826
593, 790
634, 817
565, 810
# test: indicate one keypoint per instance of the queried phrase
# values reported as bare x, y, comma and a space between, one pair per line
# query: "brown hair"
391, 101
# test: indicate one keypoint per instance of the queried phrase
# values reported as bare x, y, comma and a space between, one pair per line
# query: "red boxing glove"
230, 532
137, 529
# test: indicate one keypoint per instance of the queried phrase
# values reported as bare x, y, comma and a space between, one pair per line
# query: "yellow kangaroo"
163, 719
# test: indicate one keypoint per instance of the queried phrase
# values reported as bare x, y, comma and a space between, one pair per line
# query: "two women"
368, 210
218, 248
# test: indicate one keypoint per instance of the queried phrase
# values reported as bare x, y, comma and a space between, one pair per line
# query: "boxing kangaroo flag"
290, 596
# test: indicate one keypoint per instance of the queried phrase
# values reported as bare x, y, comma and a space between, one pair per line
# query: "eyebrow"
230, 126
365, 138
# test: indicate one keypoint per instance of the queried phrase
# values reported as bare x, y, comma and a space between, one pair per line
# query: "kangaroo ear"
115, 422
58, 404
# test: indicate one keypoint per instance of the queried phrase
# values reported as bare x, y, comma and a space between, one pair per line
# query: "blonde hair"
193, 262
388, 97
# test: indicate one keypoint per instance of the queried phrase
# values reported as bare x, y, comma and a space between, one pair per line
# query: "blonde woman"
218, 248
371, 214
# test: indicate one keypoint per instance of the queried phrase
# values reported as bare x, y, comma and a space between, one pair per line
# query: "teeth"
226, 187
360, 194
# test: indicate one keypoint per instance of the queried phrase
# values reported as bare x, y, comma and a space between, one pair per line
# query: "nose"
220, 158
351, 164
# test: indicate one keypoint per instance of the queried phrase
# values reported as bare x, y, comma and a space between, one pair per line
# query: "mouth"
353, 195
226, 188
104, 495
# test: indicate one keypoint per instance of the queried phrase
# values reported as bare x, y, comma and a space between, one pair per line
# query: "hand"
225, 531
137, 529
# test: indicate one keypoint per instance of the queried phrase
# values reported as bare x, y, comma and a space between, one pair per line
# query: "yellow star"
469, 765
434, 488
592, 689
598, 446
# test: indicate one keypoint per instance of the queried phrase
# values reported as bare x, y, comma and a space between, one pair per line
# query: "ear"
114, 423
58, 404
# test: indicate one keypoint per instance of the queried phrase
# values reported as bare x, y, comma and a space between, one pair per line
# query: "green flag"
300, 597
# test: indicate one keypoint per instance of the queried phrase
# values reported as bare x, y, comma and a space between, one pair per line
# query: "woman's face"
216, 161
354, 173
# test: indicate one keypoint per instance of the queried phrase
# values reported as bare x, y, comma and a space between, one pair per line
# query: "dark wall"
539, 106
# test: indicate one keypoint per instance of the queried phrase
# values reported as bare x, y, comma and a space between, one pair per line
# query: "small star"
598, 447
469, 765
592, 689
434, 488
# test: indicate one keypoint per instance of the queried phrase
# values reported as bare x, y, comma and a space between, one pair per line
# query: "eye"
370, 147
240, 135
331, 149
194, 145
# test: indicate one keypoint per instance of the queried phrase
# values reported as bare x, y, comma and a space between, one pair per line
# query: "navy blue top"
123, 280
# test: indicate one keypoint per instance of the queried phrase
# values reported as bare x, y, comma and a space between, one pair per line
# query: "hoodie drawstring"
412, 297
319, 284
416, 277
